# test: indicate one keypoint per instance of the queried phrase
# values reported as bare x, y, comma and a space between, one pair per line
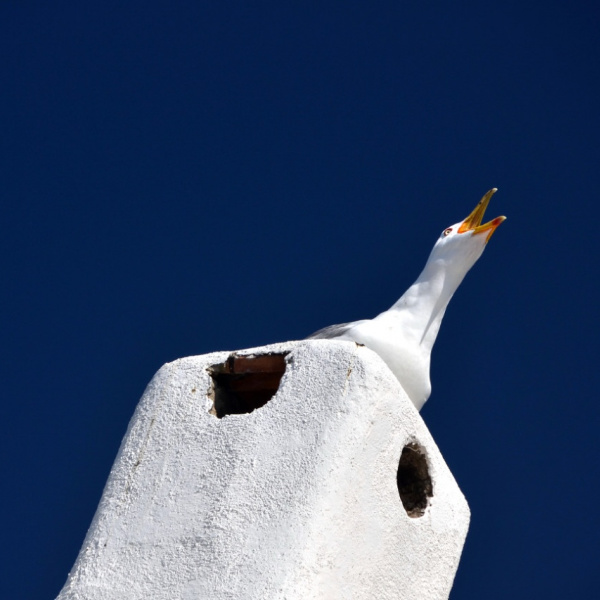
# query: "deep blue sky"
181, 177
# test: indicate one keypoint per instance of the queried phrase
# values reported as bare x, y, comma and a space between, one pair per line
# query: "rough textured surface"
295, 500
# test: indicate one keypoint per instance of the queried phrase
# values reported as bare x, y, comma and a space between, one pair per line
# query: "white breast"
401, 352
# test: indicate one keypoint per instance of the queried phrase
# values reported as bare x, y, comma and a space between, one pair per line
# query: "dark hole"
243, 383
414, 482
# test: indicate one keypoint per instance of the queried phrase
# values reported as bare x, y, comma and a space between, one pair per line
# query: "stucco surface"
295, 500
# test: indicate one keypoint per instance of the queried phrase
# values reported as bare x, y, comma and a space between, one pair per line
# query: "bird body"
404, 335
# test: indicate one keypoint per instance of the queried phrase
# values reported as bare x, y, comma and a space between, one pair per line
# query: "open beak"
473, 221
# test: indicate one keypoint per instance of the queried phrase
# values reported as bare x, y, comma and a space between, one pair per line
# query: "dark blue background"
181, 177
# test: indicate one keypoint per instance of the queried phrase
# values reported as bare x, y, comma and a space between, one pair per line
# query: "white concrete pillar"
332, 488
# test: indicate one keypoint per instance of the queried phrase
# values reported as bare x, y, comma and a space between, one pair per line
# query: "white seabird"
404, 335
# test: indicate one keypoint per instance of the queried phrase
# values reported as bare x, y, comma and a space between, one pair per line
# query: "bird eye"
446, 231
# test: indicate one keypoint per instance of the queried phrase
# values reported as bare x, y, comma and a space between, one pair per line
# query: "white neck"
422, 307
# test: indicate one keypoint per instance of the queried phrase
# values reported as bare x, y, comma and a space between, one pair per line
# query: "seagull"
404, 335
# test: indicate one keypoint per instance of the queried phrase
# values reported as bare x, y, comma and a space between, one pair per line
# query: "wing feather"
334, 331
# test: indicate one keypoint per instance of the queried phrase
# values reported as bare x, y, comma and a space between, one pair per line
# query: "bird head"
463, 243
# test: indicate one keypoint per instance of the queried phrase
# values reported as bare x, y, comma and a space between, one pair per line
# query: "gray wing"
334, 331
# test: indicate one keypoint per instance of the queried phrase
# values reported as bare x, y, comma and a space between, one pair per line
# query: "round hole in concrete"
414, 482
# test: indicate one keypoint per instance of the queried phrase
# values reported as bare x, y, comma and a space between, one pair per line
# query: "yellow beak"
473, 221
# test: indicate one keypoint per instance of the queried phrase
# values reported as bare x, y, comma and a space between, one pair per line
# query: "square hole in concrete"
243, 383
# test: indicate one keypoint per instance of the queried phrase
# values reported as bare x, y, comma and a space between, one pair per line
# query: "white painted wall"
297, 500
